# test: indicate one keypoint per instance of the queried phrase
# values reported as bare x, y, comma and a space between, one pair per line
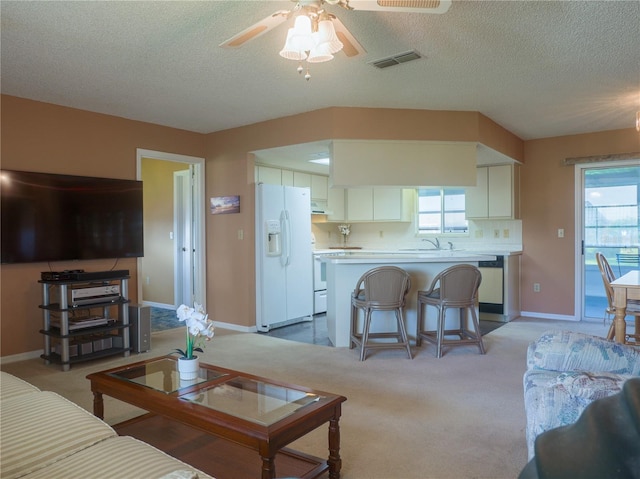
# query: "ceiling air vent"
396, 59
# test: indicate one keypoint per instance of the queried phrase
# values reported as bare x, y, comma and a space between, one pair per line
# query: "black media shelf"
54, 332
63, 345
57, 359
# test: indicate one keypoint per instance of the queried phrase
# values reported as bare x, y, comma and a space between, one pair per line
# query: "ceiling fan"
315, 11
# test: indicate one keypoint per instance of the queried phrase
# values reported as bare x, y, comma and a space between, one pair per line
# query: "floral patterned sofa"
566, 371
45, 436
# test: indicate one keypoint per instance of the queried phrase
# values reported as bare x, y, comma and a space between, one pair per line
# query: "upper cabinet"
302, 180
346, 204
496, 195
277, 176
319, 187
268, 175
370, 204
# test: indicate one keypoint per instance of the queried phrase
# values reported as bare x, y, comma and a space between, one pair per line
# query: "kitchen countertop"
408, 256
418, 252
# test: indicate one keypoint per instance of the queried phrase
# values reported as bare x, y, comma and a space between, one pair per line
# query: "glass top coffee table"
256, 412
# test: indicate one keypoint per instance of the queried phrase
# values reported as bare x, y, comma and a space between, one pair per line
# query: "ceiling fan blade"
351, 46
256, 29
408, 6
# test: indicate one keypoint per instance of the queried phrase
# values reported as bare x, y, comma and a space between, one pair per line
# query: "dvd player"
95, 300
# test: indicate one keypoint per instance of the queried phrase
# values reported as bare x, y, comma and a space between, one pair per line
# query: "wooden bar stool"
380, 289
455, 287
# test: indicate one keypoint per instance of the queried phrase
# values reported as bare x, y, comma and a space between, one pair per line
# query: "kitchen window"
442, 210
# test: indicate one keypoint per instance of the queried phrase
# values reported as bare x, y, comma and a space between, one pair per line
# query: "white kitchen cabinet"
319, 187
336, 204
360, 204
393, 204
496, 194
371, 204
268, 175
278, 176
301, 180
287, 178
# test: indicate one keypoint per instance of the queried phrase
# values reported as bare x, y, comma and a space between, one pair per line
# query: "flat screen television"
48, 217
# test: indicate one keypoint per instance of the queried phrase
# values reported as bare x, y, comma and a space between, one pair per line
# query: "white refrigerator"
284, 260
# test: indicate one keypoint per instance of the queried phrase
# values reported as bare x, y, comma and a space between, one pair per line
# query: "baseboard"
159, 305
560, 317
235, 327
21, 357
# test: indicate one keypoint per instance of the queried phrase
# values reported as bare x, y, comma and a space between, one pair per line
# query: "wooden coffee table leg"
268, 468
334, 462
98, 405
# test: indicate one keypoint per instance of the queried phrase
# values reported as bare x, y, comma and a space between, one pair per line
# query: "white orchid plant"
198, 326
345, 230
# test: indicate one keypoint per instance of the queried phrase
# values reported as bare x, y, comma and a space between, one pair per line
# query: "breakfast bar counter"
344, 269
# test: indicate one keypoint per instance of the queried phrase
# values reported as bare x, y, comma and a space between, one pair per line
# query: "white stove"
319, 284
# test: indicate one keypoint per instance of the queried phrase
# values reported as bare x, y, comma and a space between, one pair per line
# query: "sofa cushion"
11, 386
40, 428
118, 457
591, 386
553, 399
571, 351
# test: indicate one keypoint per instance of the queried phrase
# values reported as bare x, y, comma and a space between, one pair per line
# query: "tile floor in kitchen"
315, 332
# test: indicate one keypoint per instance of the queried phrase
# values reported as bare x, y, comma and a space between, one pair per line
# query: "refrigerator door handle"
285, 259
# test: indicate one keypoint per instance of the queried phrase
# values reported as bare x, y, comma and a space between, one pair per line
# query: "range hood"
319, 207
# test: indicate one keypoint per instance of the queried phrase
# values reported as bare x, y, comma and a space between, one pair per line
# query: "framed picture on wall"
222, 205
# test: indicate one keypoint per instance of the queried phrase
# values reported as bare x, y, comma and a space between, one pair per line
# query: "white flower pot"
188, 368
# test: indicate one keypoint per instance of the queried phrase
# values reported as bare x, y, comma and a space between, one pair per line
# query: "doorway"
173, 269
608, 220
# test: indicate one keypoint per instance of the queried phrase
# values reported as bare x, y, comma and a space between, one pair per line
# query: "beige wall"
43, 137
548, 203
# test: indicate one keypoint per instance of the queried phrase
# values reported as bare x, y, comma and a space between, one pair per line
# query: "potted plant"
345, 230
198, 326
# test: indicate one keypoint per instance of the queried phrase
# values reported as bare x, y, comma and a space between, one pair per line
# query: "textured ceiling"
537, 68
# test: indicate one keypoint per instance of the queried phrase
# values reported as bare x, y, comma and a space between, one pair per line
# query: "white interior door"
183, 227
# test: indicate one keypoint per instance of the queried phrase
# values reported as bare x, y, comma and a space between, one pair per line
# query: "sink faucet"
435, 243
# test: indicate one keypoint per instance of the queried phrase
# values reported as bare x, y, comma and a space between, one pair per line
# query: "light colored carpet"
461, 416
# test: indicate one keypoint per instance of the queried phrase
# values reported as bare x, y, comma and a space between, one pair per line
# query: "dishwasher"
491, 291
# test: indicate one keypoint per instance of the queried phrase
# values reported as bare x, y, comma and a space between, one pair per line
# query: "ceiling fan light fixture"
289, 51
327, 35
301, 37
320, 54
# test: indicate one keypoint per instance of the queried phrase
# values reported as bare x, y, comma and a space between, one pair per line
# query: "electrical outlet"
381, 234
148, 280
505, 233
240, 234
479, 233
536, 287
496, 233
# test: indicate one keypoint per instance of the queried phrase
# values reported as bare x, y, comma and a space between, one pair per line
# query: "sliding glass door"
610, 225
